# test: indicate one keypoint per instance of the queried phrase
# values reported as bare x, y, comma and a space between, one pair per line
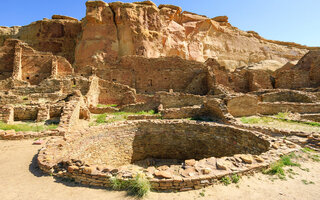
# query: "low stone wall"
289, 96
141, 117
274, 108
243, 105
311, 117
97, 110
64, 158
115, 93
195, 111
248, 105
137, 107
23, 113
6, 113
71, 112
13, 135
177, 100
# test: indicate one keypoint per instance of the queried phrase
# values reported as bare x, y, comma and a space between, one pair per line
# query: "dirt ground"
20, 179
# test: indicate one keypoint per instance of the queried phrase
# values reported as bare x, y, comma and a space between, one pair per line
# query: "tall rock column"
99, 40
17, 70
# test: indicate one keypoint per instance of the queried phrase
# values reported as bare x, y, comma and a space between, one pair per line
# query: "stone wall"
148, 76
192, 174
247, 105
57, 36
302, 75
115, 93
25, 113
176, 99
6, 113
289, 96
240, 80
25, 64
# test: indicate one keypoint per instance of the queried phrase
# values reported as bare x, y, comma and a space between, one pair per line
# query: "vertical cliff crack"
117, 28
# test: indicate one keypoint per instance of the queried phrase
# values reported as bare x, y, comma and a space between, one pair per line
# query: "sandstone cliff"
111, 31
117, 29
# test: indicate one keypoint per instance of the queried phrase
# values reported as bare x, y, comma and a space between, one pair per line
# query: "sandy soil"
21, 179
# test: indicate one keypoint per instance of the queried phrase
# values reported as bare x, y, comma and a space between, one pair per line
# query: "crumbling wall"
304, 74
22, 63
176, 99
6, 60
115, 93
57, 36
25, 113
289, 96
240, 80
148, 76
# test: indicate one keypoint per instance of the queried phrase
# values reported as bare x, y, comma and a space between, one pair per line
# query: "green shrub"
250, 120
235, 178
101, 118
106, 106
138, 186
277, 167
226, 180
27, 127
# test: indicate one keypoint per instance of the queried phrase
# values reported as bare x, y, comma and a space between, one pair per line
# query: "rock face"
111, 31
57, 36
146, 30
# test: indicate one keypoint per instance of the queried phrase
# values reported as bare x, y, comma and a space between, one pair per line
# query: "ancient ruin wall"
148, 76
58, 36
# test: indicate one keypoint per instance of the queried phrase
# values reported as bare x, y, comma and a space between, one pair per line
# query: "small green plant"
250, 120
307, 182
139, 186
235, 178
305, 169
25, 98
315, 157
202, 193
74, 86
118, 184
121, 116
26, 127
107, 105
226, 180
277, 167
101, 118
307, 150
282, 115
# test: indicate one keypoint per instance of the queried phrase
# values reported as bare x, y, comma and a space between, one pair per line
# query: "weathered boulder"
221, 19
243, 105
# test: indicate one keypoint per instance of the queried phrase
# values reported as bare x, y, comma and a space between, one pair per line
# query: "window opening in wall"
28, 77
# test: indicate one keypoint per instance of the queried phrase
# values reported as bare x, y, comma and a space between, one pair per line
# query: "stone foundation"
207, 151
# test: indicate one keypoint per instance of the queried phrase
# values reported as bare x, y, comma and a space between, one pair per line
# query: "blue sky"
286, 20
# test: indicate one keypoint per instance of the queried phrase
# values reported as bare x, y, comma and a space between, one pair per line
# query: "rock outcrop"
111, 31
